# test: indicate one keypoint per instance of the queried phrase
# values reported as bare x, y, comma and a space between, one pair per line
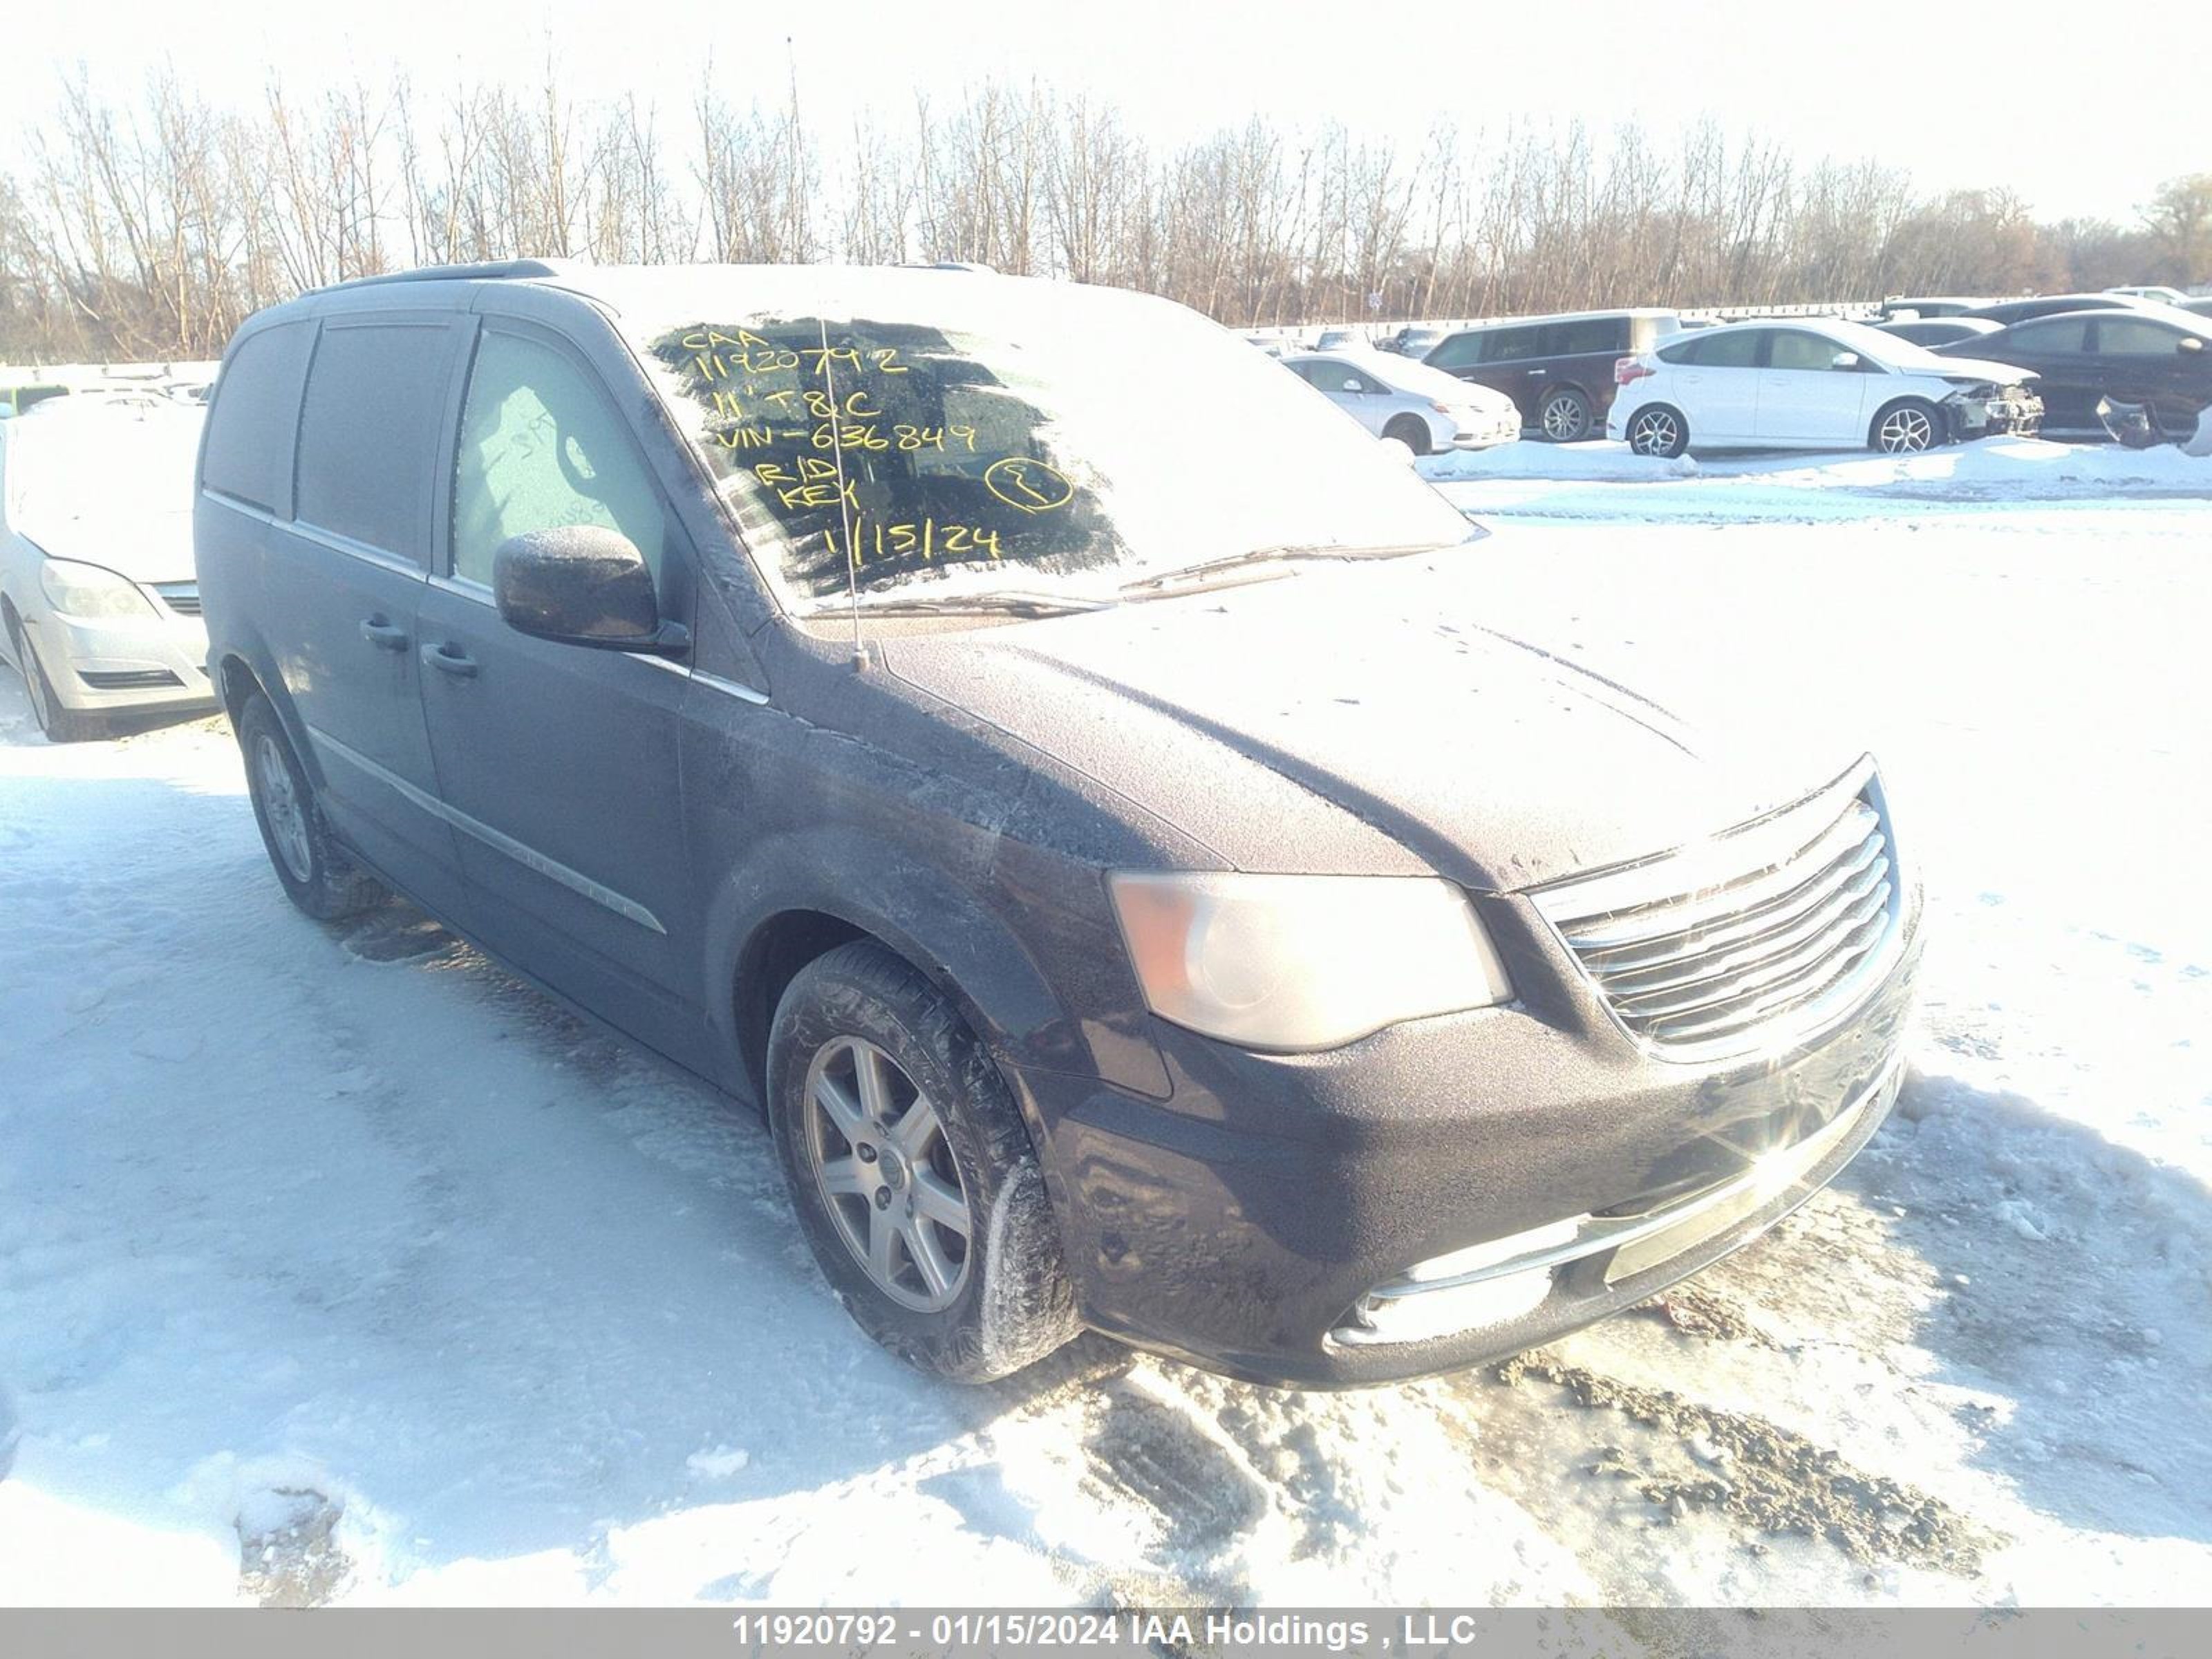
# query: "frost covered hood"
108, 486
1360, 719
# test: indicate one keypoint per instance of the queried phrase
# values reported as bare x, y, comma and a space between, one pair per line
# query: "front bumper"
1481, 434
124, 664
1252, 1223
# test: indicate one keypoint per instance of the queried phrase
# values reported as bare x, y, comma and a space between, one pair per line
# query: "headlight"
1301, 963
86, 590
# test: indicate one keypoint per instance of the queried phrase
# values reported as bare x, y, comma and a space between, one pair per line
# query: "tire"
1658, 430
1565, 416
1411, 431
1907, 426
59, 723
317, 875
870, 1181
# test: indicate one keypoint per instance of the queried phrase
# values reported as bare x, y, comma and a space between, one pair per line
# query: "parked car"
2156, 355
98, 606
1557, 370
1902, 307
1424, 409
1811, 384
2200, 307
1141, 892
2051, 305
1938, 331
2155, 291
1414, 341
21, 399
1340, 339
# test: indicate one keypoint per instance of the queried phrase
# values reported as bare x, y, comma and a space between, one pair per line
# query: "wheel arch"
797, 896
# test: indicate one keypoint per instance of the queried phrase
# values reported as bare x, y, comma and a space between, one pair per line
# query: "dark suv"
1139, 893
1557, 370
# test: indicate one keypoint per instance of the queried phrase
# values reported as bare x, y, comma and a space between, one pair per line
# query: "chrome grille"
183, 597
1750, 939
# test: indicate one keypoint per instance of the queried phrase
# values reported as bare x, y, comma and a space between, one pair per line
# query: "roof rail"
489, 269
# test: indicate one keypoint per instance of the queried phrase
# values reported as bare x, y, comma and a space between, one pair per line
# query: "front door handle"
384, 635
447, 659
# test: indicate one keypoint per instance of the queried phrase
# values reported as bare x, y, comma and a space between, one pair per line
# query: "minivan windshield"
945, 436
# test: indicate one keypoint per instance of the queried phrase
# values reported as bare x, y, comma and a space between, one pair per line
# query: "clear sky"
2082, 116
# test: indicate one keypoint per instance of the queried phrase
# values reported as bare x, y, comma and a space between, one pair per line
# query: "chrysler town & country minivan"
1137, 887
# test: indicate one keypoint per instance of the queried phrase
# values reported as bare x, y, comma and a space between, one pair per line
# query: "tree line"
148, 227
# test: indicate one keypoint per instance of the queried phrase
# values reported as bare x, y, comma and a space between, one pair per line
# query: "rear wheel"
1565, 416
1411, 431
911, 1171
1906, 427
1658, 429
60, 723
317, 876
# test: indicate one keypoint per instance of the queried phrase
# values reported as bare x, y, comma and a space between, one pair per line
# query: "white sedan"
1811, 384
100, 607
1424, 409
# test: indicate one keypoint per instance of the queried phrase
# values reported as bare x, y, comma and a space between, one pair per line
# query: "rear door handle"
448, 660
384, 635
1534, 372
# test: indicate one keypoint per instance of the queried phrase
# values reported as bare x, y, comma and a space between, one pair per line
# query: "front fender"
1082, 1014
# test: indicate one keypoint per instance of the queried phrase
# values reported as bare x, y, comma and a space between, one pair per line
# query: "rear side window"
249, 435
2059, 336
1513, 345
369, 434
1586, 336
1730, 349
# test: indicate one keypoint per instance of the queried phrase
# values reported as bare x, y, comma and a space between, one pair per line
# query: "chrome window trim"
552, 869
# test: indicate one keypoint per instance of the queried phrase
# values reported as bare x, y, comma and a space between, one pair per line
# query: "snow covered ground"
336, 1264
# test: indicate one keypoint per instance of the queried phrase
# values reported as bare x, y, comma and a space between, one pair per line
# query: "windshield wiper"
1194, 574
998, 602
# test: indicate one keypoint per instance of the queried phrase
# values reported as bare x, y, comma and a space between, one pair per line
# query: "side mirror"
581, 585
1844, 360
2189, 343
1352, 385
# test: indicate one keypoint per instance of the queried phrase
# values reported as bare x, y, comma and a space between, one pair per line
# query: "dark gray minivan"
1138, 887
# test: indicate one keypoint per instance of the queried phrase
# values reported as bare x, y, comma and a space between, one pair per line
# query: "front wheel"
911, 1172
1907, 427
60, 723
1411, 432
1658, 430
1565, 416
318, 876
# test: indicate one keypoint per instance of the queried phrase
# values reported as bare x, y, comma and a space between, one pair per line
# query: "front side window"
1460, 351
541, 449
2133, 336
1794, 348
972, 433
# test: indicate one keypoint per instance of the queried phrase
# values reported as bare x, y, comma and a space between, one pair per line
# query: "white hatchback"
1811, 384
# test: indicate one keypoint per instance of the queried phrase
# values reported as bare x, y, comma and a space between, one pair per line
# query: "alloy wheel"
279, 802
877, 1147
1906, 431
1655, 433
1565, 418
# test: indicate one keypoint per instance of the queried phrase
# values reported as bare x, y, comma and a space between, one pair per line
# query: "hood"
1361, 719
145, 546
1977, 368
